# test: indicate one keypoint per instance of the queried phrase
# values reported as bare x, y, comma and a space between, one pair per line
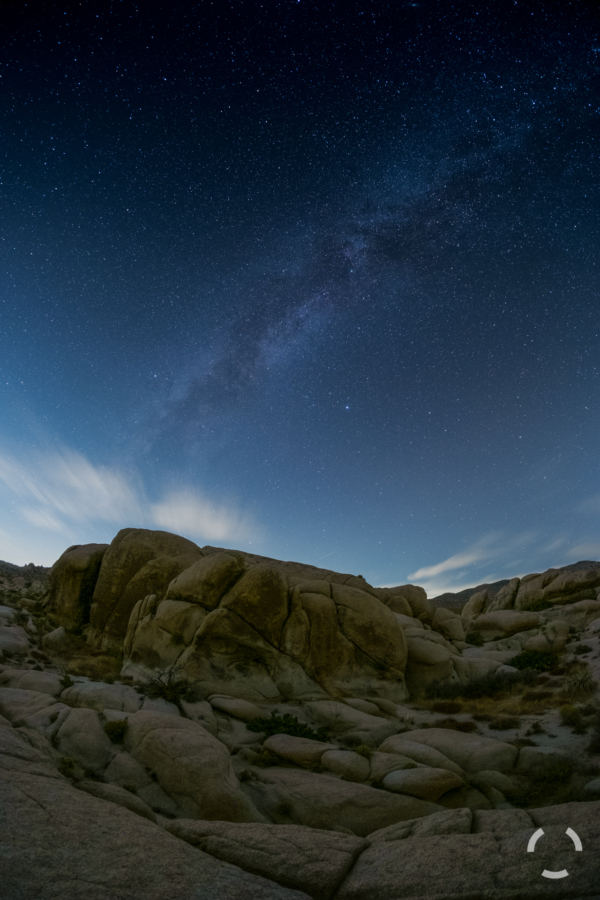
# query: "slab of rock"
460, 866
348, 765
290, 855
13, 639
450, 821
534, 760
504, 622
200, 712
7, 615
469, 751
33, 709
31, 680
501, 821
206, 581
322, 801
302, 751
423, 782
241, 709
99, 696
126, 772
383, 763
114, 794
60, 843
404, 745
345, 720
71, 584
82, 738
159, 705
189, 761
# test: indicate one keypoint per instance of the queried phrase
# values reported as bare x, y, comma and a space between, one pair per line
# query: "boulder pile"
270, 730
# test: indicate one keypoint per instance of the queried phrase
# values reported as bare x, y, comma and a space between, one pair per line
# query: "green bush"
67, 766
446, 706
487, 686
167, 686
287, 724
504, 723
534, 659
364, 750
535, 728
455, 725
116, 730
570, 715
579, 683
474, 638
66, 682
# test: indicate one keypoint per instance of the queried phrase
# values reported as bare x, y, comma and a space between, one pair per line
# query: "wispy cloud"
194, 515
482, 562
585, 550
67, 498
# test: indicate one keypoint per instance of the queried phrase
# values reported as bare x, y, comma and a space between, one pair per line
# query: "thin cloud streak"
65, 494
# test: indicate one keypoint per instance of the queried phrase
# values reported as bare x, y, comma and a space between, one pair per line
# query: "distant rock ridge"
457, 600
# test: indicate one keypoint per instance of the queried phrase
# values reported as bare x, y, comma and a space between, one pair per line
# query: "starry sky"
316, 280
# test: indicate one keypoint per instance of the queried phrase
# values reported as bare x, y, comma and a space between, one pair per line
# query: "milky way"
314, 279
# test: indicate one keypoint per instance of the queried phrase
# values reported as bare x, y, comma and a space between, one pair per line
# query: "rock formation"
268, 729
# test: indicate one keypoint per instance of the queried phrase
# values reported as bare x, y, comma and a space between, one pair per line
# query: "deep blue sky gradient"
318, 280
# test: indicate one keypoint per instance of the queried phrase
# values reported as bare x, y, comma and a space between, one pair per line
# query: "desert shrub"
579, 683
582, 650
66, 682
446, 706
177, 638
504, 723
364, 750
167, 686
482, 717
594, 744
570, 715
116, 730
455, 725
535, 728
287, 724
534, 659
487, 686
474, 638
551, 783
534, 696
266, 759
67, 766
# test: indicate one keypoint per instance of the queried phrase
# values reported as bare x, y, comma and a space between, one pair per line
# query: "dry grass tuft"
96, 667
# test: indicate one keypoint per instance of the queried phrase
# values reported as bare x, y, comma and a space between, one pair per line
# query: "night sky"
316, 280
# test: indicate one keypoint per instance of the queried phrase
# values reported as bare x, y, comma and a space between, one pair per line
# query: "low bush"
455, 725
364, 750
579, 683
504, 723
446, 706
267, 759
553, 783
570, 715
474, 638
534, 696
67, 766
287, 724
535, 728
66, 682
116, 730
534, 659
582, 650
594, 744
482, 717
167, 686
489, 685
